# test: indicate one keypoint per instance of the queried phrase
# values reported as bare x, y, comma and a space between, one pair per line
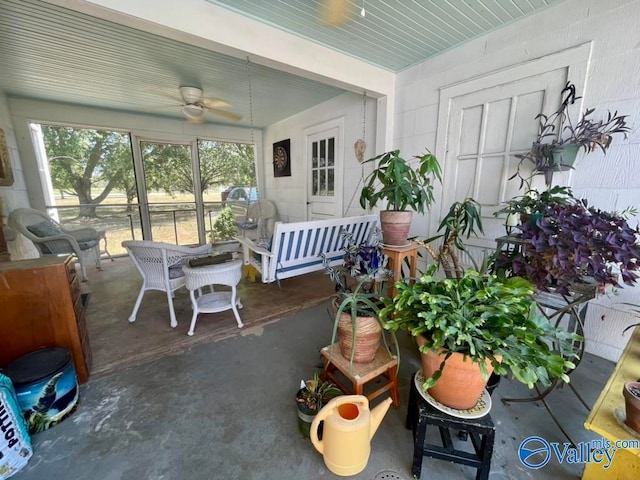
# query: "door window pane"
314, 155
323, 153
331, 152
323, 182
330, 183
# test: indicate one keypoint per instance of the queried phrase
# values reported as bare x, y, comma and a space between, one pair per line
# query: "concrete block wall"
612, 83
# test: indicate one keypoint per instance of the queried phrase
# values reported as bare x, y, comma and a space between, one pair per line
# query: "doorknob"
308, 203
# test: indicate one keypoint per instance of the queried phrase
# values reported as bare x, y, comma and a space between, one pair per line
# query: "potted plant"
402, 186
559, 138
631, 394
311, 398
530, 206
357, 302
463, 220
573, 244
469, 326
360, 260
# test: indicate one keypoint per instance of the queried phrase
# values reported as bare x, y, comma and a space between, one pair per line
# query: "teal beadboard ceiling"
393, 34
52, 53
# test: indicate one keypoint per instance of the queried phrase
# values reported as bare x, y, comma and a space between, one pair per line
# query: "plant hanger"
262, 235
360, 147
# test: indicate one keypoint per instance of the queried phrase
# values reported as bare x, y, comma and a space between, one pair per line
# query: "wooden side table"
228, 273
384, 364
396, 259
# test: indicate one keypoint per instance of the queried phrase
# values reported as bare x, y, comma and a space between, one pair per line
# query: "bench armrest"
253, 247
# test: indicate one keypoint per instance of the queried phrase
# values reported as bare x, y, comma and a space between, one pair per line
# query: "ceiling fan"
195, 105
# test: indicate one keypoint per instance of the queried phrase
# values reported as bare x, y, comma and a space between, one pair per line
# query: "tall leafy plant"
402, 186
462, 220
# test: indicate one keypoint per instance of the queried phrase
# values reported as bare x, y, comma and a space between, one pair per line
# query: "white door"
324, 174
486, 129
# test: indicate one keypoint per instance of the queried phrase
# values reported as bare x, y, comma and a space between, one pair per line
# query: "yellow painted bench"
602, 419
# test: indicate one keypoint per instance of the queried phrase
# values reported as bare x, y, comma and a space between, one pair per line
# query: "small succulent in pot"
310, 399
316, 393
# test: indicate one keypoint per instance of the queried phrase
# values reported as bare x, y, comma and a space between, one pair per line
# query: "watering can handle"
327, 410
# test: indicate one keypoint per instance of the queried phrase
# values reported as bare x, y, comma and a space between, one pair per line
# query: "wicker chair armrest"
83, 233
52, 243
186, 253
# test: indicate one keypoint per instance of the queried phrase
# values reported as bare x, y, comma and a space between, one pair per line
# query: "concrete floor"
225, 410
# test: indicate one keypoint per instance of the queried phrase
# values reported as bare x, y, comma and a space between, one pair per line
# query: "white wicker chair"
50, 238
260, 220
160, 265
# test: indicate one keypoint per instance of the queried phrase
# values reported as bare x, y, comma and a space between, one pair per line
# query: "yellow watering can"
349, 426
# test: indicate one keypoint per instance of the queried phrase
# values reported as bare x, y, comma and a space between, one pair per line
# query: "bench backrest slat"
297, 246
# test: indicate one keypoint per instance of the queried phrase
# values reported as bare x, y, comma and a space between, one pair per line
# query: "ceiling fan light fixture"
192, 111
191, 94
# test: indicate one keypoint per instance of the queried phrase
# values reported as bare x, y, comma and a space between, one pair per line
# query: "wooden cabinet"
41, 306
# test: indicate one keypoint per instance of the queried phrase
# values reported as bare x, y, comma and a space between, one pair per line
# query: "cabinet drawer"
71, 270
79, 309
75, 291
84, 341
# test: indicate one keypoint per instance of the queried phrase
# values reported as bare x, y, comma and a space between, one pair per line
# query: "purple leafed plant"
573, 244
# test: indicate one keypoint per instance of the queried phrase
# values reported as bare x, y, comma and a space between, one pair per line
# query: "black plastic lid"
37, 365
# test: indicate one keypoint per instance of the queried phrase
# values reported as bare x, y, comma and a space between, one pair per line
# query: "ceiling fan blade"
198, 120
211, 102
235, 117
334, 12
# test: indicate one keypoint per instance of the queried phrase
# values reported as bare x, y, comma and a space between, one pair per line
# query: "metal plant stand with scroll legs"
557, 308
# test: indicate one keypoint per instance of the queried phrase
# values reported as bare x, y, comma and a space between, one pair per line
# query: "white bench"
295, 247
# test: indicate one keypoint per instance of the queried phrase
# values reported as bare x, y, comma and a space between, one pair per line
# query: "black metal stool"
481, 431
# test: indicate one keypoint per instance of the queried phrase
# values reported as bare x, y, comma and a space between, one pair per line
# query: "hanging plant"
559, 138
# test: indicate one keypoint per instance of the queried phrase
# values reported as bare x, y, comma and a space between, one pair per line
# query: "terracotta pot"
395, 227
461, 383
367, 341
631, 393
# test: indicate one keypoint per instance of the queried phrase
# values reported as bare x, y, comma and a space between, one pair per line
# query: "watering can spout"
377, 414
